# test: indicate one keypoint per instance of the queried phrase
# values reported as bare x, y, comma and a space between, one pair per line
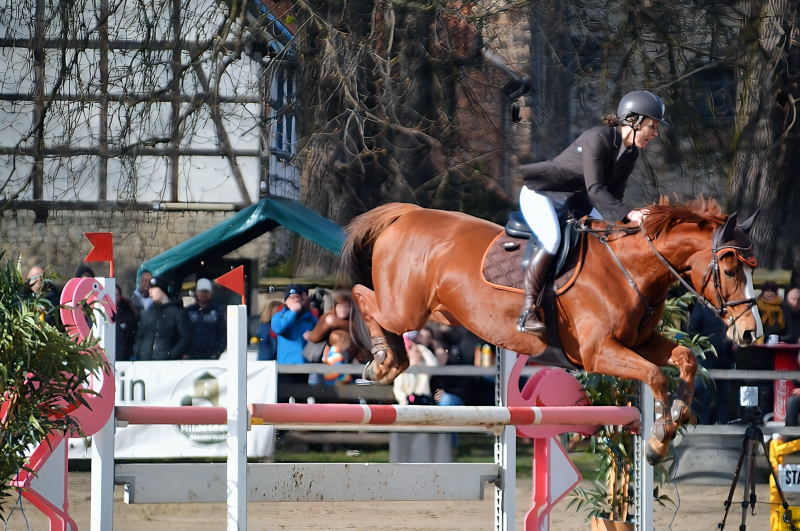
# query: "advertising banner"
184, 383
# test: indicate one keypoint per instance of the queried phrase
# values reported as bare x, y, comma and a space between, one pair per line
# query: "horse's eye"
730, 274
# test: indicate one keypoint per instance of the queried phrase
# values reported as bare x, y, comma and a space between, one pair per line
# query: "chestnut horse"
409, 264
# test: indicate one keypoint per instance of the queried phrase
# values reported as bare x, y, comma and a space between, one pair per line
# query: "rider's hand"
635, 217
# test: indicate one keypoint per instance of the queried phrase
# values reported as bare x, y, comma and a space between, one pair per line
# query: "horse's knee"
656, 380
685, 359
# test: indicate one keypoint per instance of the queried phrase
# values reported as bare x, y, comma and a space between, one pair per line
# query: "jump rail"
387, 414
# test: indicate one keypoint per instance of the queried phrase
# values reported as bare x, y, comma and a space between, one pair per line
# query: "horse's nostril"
748, 336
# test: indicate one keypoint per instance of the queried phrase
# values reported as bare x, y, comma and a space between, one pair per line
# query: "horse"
408, 264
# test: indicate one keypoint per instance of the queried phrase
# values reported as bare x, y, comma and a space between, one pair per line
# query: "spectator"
769, 308
291, 324
409, 384
333, 329
84, 271
209, 326
127, 322
51, 316
791, 311
705, 321
267, 339
425, 338
164, 329
140, 298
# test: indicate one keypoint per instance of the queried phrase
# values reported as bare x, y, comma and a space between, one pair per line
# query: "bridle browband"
717, 249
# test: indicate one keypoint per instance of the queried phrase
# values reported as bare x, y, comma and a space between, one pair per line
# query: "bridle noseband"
717, 249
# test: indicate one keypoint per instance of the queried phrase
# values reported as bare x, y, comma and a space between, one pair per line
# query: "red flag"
234, 281
102, 248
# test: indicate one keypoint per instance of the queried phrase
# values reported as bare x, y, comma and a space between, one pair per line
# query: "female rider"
588, 176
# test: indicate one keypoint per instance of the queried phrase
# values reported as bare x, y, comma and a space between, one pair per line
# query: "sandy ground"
700, 509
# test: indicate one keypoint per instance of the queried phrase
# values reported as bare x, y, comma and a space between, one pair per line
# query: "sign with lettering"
184, 383
789, 477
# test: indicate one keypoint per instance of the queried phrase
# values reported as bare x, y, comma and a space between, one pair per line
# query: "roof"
241, 228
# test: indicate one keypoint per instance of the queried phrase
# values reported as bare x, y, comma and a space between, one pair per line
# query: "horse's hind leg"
388, 349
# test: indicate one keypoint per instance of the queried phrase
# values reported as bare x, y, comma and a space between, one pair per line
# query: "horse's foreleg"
662, 351
387, 349
612, 358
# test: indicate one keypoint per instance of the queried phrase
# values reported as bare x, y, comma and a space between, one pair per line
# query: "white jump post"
102, 474
237, 418
643, 479
505, 450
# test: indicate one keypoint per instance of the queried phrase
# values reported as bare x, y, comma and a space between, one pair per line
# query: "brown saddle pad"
502, 265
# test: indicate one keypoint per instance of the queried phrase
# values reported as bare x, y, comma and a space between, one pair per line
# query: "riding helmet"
642, 103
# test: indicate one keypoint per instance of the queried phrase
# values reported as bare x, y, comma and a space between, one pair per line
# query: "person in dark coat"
705, 321
791, 311
35, 279
589, 176
165, 332
209, 324
127, 321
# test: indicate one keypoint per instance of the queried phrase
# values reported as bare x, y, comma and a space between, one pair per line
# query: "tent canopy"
236, 231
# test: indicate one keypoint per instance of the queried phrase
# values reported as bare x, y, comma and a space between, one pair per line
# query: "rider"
590, 175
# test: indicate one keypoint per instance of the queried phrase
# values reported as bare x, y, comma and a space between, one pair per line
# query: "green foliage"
42, 372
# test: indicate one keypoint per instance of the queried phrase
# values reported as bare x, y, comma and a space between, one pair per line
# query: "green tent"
246, 225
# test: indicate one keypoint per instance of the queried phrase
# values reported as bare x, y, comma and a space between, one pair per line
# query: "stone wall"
138, 236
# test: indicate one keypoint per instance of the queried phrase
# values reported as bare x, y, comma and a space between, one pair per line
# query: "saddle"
507, 257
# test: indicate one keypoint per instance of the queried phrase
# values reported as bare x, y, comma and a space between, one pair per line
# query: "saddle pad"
502, 268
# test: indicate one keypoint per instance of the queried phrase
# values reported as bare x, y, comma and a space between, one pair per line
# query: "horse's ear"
748, 223
730, 226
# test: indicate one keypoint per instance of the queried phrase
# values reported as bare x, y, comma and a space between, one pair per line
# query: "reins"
722, 305
627, 231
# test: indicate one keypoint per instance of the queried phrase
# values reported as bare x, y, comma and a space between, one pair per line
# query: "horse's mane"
663, 216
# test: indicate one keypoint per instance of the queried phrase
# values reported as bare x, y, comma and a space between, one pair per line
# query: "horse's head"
726, 282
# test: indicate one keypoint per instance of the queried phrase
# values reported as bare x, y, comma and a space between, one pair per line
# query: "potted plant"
610, 499
43, 372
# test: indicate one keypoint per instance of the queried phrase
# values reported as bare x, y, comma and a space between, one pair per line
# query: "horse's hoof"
369, 372
653, 457
379, 357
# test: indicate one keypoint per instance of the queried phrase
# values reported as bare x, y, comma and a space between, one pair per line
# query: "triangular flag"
234, 281
102, 248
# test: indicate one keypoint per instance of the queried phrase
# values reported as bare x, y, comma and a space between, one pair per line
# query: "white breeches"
541, 217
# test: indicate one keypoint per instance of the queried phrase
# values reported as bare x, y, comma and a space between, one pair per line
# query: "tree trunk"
760, 170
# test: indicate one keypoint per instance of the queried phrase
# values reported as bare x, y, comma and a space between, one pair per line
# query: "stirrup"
534, 327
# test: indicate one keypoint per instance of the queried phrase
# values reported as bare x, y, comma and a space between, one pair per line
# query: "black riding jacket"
591, 170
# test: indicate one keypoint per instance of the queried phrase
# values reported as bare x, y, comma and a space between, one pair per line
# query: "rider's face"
647, 132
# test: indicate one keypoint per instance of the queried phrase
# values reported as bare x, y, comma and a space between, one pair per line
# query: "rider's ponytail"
613, 120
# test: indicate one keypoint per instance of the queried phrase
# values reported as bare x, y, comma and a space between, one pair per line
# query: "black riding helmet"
642, 103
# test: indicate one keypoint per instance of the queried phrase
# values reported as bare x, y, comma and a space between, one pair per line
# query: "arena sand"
700, 510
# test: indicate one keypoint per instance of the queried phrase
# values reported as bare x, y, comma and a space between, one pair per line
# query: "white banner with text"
184, 383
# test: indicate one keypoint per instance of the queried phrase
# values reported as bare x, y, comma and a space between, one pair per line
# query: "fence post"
102, 474
237, 418
505, 449
643, 481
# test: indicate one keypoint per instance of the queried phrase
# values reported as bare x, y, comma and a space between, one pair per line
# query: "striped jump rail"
277, 414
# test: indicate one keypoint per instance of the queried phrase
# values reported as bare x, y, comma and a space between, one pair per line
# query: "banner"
185, 383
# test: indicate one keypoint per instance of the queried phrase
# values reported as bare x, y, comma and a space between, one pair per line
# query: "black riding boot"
534, 282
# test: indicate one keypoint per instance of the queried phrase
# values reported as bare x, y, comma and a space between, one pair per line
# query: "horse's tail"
356, 261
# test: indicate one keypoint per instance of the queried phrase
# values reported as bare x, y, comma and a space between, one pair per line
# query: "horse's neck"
650, 274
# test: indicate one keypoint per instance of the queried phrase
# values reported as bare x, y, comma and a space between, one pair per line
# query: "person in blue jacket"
291, 324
